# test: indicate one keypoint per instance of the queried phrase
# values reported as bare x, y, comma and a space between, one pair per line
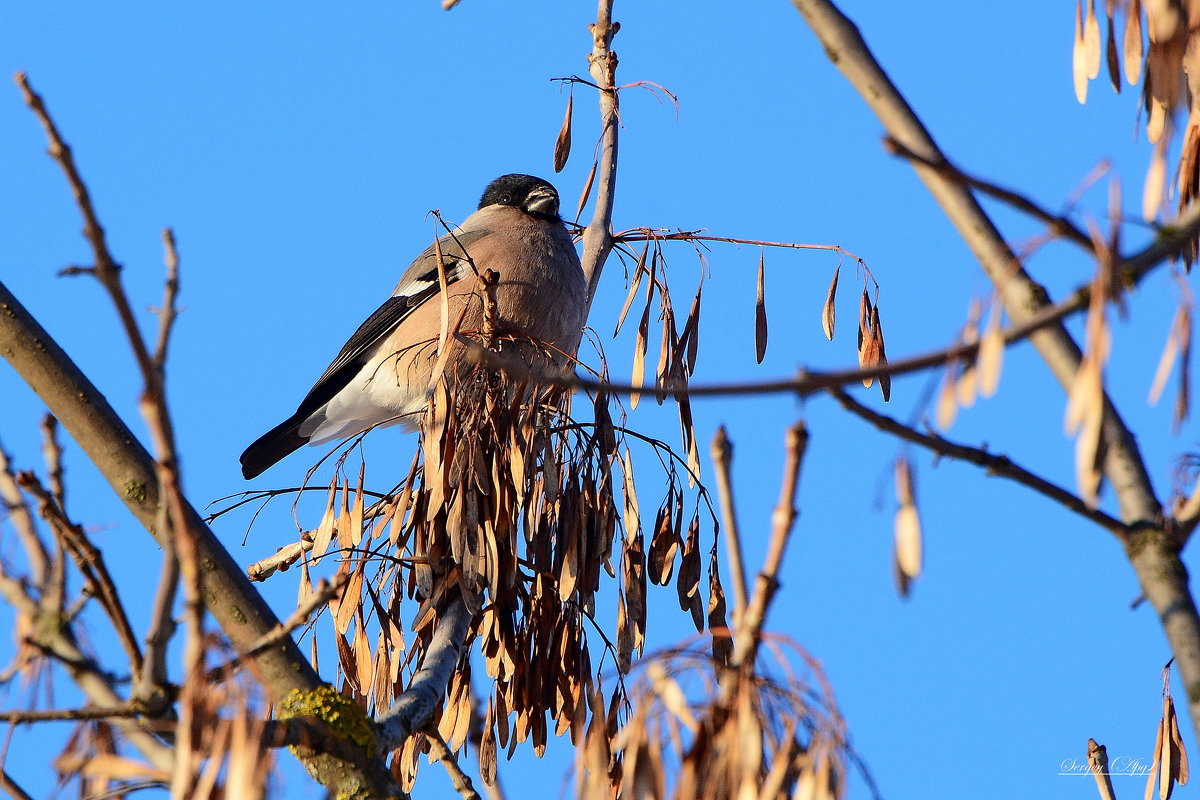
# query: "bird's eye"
505, 198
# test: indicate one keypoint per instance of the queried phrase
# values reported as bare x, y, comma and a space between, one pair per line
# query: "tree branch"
994, 464
749, 630
602, 64
416, 704
722, 456
1155, 556
441, 751
129, 469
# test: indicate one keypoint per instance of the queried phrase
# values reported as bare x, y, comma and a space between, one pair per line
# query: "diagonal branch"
415, 706
993, 463
1057, 223
133, 475
1153, 551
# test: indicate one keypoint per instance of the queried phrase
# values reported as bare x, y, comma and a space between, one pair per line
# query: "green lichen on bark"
339, 713
135, 492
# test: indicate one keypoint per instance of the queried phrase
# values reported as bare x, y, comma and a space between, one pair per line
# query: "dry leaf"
587, 191
965, 387
1110, 50
562, 145
908, 541
947, 406
722, 643
1079, 57
1087, 450
904, 490
639, 356
356, 513
1091, 41
1133, 43
1082, 396
1167, 360
343, 607
1156, 181
829, 312
991, 356
638, 271
885, 380
324, 534
633, 517
760, 314
1179, 759
366, 664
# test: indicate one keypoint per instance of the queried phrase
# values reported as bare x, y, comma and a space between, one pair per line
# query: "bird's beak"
542, 201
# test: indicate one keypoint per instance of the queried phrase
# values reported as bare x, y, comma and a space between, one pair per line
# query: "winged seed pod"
1156, 180
1091, 41
991, 356
587, 191
829, 311
562, 145
760, 314
1079, 66
1180, 324
1110, 52
1133, 42
908, 555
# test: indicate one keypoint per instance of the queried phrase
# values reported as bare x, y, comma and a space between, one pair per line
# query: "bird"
383, 375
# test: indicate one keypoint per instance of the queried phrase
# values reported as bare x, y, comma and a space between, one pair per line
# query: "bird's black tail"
272, 446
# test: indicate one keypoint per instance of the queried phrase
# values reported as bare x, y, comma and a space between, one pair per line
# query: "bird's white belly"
379, 396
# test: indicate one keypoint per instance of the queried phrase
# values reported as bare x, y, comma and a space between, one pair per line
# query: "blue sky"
296, 151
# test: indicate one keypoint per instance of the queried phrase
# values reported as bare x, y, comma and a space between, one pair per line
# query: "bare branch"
131, 472
1154, 552
415, 706
1058, 224
90, 562
73, 714
993, 463
9, 785
783, 520
722, 456
22, 520
597, 238
439, 750
322, 594
168, 312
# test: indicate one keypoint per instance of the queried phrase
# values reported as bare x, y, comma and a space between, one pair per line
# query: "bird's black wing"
418, 284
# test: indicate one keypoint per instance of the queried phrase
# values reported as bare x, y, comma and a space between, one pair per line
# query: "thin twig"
994, 464
1056, 222
21, 518
654, 235
73, 714
439, 750
53, 452
324, 591
722, 456
110, 445
90, 562
9, 785
782, 523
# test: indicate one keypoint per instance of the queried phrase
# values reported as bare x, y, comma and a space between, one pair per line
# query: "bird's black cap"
532, 195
